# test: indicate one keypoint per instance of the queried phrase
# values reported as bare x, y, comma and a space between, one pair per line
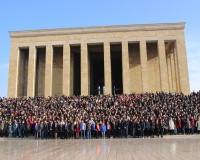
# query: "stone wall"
40, 72
153, 67
135, 68
57, 71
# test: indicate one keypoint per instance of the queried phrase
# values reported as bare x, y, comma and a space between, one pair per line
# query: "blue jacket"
82, 126
103, 128
36, 127
93, 127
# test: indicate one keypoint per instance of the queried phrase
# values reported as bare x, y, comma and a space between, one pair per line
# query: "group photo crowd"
145, 115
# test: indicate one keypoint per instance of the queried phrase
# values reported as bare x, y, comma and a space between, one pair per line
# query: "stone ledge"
98, 29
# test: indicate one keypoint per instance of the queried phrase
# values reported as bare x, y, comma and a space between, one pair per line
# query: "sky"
48, 14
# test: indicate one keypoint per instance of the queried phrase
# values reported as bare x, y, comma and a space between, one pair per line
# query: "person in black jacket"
125, 128
147, 127
138, 129
157, 127
162, 125
66, 129
23, 129
119, 128
46, 130
152, 126
51, 130
114, 129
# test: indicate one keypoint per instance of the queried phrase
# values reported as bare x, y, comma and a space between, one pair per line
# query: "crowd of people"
100, 116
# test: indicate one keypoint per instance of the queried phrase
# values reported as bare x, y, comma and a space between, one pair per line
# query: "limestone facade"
57, 62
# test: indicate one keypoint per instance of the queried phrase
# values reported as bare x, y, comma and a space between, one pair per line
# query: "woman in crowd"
103, 129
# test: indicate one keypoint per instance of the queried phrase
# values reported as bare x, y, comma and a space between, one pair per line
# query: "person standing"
1, 128
67, 129
97, 129
142, 124
114, 129
72, 127
188, 126
171, 126
56, 130
10, 129
119, 128
83, 129
125, 128
157, 127
77, 129
152, 127
198, 125
147, 127
36, 129
93, 129
108, 126
88, 130
179, 125
27, 128
19, 128
15, 128
192, 121
41, 130
23, 129
138, 129
103, 129
46, 130
51, 129
162, 127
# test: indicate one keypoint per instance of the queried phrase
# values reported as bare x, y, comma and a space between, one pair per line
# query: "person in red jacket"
192, 124
179, 125
77, 129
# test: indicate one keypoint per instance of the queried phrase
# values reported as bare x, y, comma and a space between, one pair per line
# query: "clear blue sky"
45, 14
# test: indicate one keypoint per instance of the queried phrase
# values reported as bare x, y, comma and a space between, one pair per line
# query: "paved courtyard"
170, 147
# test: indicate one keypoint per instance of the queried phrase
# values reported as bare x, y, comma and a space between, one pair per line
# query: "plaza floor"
167, 148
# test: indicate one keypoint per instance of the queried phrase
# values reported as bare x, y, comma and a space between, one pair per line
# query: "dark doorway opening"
116, 68
75, 76
23, 72
96, 70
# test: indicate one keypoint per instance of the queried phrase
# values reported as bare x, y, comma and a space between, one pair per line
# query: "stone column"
107, 69
163, 66
182, 65
125, 68
143, 60
169, 72
173, 71
84, 70
66, 70
48, 70
31, 71
13, 71
176, 71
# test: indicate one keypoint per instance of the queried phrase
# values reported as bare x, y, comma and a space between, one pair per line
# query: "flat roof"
97, 29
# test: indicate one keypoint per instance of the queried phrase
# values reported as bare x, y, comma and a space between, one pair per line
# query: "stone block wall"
135, 68
40, 72
153, 67
57, 71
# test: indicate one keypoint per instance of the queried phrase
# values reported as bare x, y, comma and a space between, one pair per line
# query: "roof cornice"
98, 29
